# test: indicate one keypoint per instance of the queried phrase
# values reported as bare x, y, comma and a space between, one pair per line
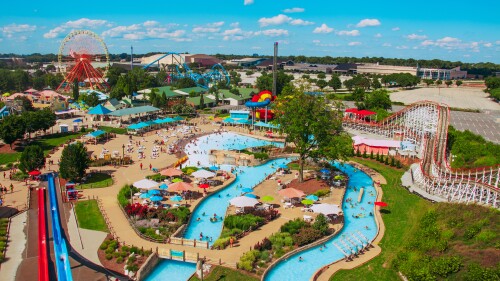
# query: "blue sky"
459, 30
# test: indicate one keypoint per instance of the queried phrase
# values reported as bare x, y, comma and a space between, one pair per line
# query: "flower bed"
119, 257
4, 223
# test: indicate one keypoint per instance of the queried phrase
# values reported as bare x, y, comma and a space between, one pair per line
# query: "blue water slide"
252, 104
60, 249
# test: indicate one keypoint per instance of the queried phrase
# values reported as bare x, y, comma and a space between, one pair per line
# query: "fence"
179, 255
106, 218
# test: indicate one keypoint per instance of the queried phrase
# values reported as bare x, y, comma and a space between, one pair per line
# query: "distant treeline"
480, 68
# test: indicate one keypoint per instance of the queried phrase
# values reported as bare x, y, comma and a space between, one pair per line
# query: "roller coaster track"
425, 124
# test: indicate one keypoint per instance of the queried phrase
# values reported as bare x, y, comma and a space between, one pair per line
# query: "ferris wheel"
83, 52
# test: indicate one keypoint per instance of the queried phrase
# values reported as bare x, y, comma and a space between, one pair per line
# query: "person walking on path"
150, 166
141, 166
11, 188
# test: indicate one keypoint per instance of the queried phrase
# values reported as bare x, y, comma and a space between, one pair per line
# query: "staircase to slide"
425, 124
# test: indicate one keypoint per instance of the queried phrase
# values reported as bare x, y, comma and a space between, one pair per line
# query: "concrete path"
15, 248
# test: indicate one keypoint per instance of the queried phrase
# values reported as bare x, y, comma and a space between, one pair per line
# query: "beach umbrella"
34, 173
291, 192
250, 195
77, 120
179, 186
312, 197
163, 186
144, 195
176, 198
243, 201
267, 198
247, 190
381, 204
202, 174
282, 166
204, 185
307, 202
213, 168
326, 209
156, 198
176, 180
171, 172
324, 171
145, 184
153, 192
6, 95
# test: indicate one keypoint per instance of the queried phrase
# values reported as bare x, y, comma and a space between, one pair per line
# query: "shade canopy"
381, 204
291, 192
156, 198
145, 184
312, 197
153, 192
177, 180
170, 172
326, 209
163, 186
176, 198
179, 186
99, 110
307, 202
324, 171
267, 198
96, 134
77, 120
34, 173
243, 201
214, 168
204, 185
202, 174
144, 195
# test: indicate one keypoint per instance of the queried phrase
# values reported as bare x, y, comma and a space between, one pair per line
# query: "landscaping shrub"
321, 224
265, 244
322, 192
221, 243
245, 222
445, 266
156, 177
133, 267
109, 257
230, 232
125, 193
248, 260
119, 260
189, 169
281, 239
293, 226
306, 235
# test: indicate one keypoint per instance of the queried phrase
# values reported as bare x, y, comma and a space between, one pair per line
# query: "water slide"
262, 99
2, 111
43, 258
63, 267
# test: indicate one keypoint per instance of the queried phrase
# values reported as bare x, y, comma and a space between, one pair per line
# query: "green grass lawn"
96, 180
119, 131
401, 219
46, 142
227, 274
89, 216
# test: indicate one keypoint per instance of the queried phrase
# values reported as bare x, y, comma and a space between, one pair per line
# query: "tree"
335, 83
11, 129
91, 99
31, 159
74, 162
265, 82
185, 83
378, 99
458, 83
448, 83
492, 82
213, 91
25, 103
321, 75
313, 127
321, 224
76, 90
46, 119
439, 82
376, 84
202, 101
428, 82
321, 83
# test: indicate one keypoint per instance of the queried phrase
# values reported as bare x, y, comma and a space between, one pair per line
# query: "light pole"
123, 154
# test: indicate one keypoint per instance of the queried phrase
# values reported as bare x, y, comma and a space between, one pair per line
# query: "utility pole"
274, 67
131, 58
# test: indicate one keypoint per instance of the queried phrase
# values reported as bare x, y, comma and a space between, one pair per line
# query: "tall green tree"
321, 84
458, 83
25, 103
378, 99
265, 82
312, 127
448, 83
428, 82
32, 158
321, 75
91, 99
76, 90
12, 128
74, 162
202, 101
335, 83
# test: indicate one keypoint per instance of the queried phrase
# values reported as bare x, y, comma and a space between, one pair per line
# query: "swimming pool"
217, 203
356, 231
172, 270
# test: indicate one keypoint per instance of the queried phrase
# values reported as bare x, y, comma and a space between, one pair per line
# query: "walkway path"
15, 248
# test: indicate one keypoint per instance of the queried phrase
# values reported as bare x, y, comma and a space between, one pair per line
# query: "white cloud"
85, 23
293, 10
301, 22
497, 42
53, 33
316, 41
354, 43
16, 28
349, 33
233, 31
323, 29
247, 2
120, 30
368, 22
378, 35
403, 47
209, 27
146, 30
467, 56
234, 24
488, 45
416, 37
386, 45
276, 20
150, 23
236, 34
183, 39
256, 48
273, 32
395, 28
134, 36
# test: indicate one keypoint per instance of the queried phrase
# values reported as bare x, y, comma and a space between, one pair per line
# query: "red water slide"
43, 262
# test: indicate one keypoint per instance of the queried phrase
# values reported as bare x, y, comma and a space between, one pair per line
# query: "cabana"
354, 113
382, 147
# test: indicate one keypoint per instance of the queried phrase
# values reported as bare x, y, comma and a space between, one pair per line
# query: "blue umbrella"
283, 166
251, 195
324, 171
163, 186
77, 120
214, 168
156, 198
144, 195
176, 198
312, 197
153, 192
247, 190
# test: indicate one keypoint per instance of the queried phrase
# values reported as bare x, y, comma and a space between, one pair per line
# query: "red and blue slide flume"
43, 258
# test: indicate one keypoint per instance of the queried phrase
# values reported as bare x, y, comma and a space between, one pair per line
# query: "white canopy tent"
326, 209
243, 201
146, 184
203, 174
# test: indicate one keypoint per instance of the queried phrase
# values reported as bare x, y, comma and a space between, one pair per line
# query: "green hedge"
125, 193
244, 222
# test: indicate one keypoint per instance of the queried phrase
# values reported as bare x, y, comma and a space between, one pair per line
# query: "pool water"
356, 231
172, 270
217, 203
